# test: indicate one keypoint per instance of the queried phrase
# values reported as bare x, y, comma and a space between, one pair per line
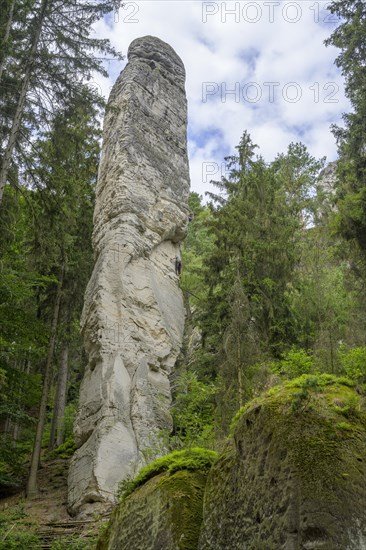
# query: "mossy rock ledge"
294, 475
164, 509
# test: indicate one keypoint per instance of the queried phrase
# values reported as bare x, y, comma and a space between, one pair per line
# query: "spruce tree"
349, 37
44, 65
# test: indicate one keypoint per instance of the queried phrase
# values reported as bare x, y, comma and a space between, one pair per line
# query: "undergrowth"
16, 531
66, 450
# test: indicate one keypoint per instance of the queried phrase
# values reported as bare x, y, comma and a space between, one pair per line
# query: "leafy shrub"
294, 363
193, 410
353, 362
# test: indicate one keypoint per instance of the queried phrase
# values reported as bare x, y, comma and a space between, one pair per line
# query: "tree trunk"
6, 36
57, 432
239, 373
14, 132
32, 488
25, 367
8, 426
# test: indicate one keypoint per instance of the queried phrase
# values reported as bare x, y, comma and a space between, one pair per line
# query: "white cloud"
278, 45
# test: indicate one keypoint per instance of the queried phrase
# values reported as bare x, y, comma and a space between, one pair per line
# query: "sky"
259, 66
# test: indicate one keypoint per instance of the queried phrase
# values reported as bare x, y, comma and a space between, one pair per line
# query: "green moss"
165, 512
66, 450
186, 459
285, 393
104, 534
321, 380
315, 416
344, 426
186, 491
297, 466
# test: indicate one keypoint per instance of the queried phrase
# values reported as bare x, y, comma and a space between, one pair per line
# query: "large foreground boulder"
164, 511
294, 476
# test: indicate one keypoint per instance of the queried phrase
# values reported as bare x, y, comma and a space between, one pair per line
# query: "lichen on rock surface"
294, 475
133, 317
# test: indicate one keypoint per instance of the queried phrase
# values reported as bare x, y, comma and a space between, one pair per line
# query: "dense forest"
274, 264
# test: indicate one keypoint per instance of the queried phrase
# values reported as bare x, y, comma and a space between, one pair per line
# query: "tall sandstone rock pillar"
133, 317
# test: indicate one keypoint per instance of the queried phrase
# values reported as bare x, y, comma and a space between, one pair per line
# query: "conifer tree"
349, 37
45, 65
65, 176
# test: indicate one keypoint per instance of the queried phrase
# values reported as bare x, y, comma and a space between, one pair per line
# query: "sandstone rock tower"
133, 316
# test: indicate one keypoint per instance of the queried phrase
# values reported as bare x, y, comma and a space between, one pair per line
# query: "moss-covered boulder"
294, 476
161, 509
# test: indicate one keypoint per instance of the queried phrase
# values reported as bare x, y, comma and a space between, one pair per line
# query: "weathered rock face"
133, 316
165, 513
327, 180
326, 188
294, 478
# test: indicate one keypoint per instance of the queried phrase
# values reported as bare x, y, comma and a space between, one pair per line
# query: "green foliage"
344, 426
19, 532
349, 407
274, 287
258, 223
19, 540
50, 46
193, 410
186, 459
66, 450
197, 246
275, 293
349, 38
294, 363
13, 465
15, 533
23, 334
318, 381
74, 543
323, 297
52, 235
257, 233
68, 421
353, 363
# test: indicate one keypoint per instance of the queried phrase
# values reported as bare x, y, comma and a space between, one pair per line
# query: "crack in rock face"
133, 317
